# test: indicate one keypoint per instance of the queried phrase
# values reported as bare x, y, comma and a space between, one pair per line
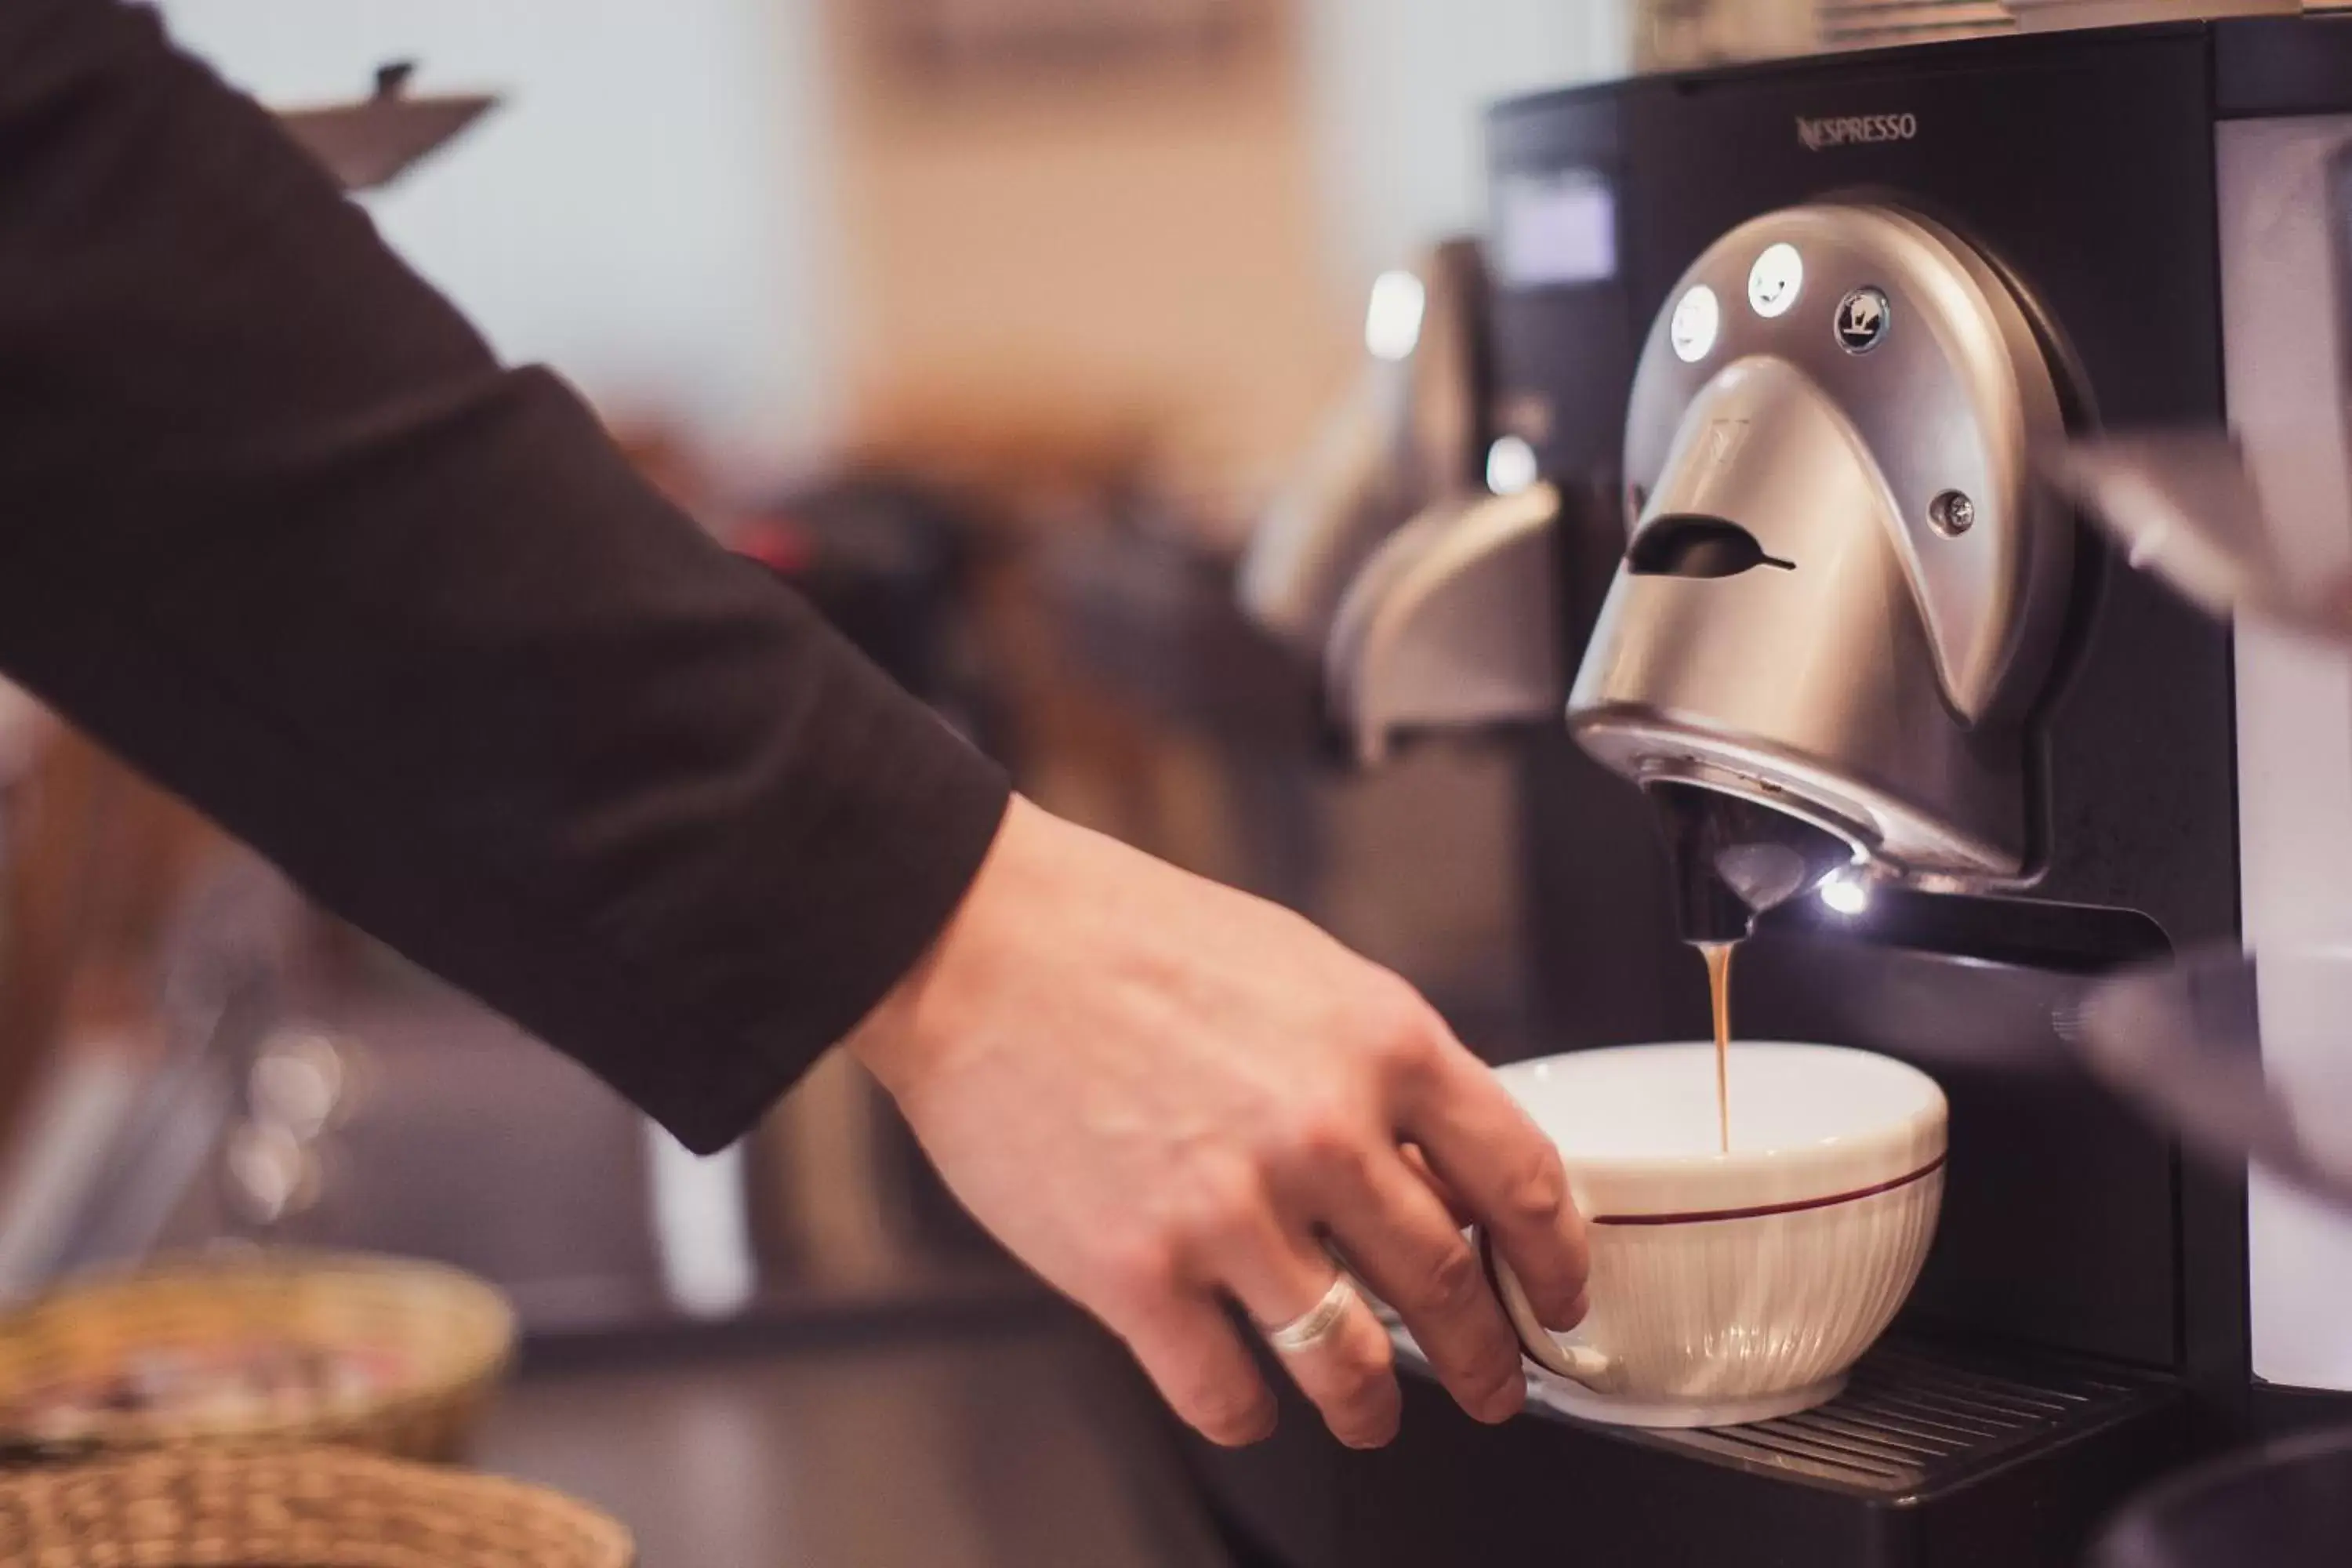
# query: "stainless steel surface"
1407, 438
1010, 1447
1870, 673
1333, 513
2185, 507
1444, 614
2186, 1042
1914, 1415
1455, 622
1446, 414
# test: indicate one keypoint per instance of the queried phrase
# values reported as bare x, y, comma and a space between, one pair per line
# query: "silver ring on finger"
1316, 1326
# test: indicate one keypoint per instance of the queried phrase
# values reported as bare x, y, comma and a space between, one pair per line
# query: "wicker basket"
439, 1339
292, 1508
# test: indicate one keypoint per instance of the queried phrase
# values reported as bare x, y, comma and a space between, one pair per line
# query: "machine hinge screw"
1953, 513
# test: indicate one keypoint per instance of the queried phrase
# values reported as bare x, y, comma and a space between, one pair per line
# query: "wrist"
887, 1041
910, 1034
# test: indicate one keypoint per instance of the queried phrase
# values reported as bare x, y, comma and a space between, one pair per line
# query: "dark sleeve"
276, 527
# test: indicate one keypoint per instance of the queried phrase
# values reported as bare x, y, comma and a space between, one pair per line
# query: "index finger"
1503, 1169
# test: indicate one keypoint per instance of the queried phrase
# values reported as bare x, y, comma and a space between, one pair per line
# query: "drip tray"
1917, 1418
1937, 1455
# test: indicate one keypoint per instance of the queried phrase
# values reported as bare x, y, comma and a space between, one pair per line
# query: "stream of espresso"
1719, 984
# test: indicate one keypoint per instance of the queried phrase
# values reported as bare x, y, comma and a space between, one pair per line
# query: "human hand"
1162, 1094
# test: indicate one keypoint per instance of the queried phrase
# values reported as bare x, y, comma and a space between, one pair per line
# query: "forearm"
278, 528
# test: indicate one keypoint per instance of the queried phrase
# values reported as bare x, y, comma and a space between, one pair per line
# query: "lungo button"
1775, 279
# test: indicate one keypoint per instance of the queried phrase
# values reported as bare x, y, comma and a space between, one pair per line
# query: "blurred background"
996, 325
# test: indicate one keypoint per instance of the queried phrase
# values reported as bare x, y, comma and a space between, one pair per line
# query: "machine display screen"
1555, 228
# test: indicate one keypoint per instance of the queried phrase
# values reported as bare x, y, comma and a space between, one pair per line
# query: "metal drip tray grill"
1914, 1416
1917, 1418
1938, 1455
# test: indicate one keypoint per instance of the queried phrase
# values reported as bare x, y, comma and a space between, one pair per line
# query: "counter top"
1023, 1440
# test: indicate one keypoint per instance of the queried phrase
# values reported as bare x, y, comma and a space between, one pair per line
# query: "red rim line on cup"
1795, 1206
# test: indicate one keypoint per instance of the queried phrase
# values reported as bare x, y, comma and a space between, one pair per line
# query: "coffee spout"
1733, 859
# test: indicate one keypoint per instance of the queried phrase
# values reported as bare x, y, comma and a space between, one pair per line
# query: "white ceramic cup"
1729, 1287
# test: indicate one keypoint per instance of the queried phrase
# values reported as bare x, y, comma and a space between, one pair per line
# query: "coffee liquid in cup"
1718, 985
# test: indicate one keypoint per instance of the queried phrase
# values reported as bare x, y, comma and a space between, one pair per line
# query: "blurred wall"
1185, 255
1094, 252
647, 213
717, 211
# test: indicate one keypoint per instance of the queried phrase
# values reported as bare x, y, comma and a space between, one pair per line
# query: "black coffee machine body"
2083, 1324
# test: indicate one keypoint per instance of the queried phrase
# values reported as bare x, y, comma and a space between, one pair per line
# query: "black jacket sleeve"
276, 527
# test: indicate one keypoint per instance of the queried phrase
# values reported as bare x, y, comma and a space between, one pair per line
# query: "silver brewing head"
1733, 859
1842, 589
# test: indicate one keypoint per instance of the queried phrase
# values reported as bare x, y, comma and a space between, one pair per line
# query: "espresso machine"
1793, 347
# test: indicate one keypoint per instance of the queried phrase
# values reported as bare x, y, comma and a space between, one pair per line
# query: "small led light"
1511, 465
1697, 318
1846, 893
1393, 323
1775, 279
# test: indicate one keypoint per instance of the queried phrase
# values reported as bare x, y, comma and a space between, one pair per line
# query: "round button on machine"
1512, 466
1776, 280
1696, 322
1862, 318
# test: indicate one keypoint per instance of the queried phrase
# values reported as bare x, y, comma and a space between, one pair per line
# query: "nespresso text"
1851, 130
